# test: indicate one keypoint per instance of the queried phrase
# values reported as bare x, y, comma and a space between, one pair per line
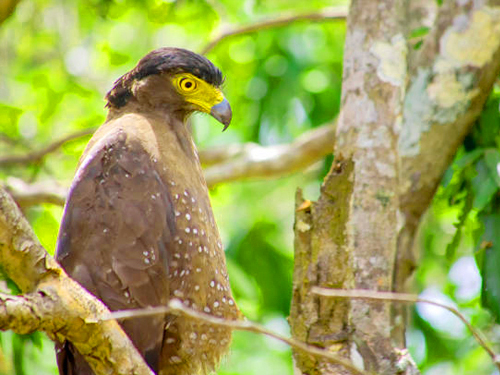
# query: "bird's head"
175, 80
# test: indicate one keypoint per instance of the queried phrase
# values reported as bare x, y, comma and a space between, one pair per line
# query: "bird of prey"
138, 228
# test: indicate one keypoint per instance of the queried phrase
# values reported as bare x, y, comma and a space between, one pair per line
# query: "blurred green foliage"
57, 60
461, 254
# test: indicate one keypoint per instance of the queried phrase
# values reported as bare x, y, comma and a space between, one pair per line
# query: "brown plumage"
138, 228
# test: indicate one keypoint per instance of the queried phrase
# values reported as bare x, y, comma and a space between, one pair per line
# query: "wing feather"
116, 232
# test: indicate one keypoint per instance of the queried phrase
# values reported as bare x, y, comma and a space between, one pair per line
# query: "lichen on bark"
321, 260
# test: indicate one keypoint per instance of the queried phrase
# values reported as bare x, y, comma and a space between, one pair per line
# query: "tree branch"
27, 195
222, 154
332, 14
222, 164
7, 8
57, 304
64, 310
410, 298
360, 196
20, 250
176, 307
37, 155
255, 161
451, 78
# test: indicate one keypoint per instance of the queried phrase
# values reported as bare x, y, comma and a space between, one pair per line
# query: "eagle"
138, 228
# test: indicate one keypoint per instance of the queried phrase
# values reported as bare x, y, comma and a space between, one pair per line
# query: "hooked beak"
222, 113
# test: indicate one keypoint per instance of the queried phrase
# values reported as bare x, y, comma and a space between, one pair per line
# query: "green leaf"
419, 32
18, 349
483, 185
464, 214
490, 264
262, 261
492, 160
9, 119
468, 158
487, 128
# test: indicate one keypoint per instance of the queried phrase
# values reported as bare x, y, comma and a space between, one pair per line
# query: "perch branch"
53, 310
58, 305
409, 298
64, 310
176, 307
337, 13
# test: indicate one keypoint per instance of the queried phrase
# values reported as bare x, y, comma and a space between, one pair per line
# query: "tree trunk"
400, 126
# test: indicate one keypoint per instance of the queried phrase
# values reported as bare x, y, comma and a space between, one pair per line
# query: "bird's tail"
70, 362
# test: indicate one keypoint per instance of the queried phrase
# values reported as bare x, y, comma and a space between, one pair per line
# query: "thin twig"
338, 13
37, 155
175, 306
409, 298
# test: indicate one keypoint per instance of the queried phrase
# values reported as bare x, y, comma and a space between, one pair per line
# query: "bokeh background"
58, 58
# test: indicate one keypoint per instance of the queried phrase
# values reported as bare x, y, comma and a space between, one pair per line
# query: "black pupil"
188, 84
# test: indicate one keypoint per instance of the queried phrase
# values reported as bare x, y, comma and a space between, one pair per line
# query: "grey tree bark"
403, 117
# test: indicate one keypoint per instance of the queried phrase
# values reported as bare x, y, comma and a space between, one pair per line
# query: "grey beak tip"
222, 113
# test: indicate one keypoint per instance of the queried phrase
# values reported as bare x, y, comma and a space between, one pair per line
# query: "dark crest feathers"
163, 60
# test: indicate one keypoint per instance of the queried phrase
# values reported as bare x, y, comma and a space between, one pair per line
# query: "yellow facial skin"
198, 92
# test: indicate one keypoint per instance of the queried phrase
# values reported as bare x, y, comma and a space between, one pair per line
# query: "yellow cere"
197, 91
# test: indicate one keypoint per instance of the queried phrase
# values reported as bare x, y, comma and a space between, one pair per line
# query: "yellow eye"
187, 84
